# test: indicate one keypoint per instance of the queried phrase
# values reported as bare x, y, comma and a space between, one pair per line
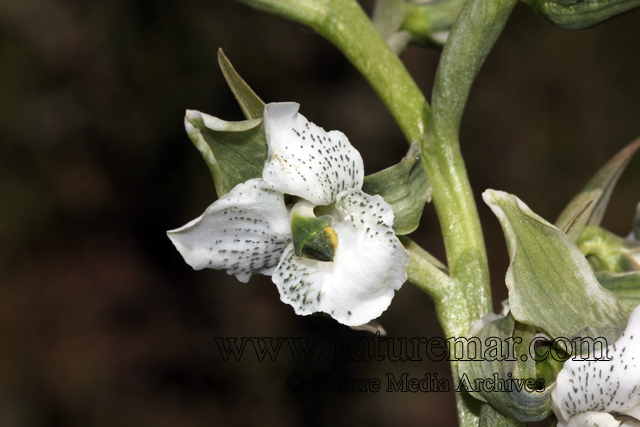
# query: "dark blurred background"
101, 321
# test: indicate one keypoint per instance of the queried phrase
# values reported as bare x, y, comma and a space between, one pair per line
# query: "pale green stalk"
472, 37
478, 26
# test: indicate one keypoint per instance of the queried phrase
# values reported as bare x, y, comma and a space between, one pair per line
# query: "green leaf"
551, 284
252, 106
503, 358
579, 14
598, 190
574, 224
626, 286
234, 151
606, 251
405, 187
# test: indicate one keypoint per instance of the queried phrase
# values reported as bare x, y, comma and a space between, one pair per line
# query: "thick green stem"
472, 37
478, 26
424, 272
351, 30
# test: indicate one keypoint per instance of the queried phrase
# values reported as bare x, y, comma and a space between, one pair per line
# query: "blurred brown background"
103, 324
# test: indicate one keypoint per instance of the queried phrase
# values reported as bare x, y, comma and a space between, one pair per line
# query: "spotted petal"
305, 160
603, 385
368, 267
244, 232
590, 419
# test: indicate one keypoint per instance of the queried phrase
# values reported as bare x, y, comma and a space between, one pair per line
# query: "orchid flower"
347, 262
587, 392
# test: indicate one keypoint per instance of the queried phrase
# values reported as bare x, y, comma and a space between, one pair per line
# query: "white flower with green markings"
587, 392
328, 246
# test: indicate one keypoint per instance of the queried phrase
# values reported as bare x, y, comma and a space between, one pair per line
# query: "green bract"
514, 388
236, 152
405, 187
551, 284
251, 104
578, 14
588, 206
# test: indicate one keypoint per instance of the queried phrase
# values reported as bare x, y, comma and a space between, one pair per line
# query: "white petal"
244, 232
590, 419
603, 385
368, 267
305, 160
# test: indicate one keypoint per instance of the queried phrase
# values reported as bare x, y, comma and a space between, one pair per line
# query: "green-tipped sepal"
551, 284
313, 236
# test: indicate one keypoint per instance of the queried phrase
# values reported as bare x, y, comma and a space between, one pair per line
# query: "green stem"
472, 37
424, 272
478, 26
351, 30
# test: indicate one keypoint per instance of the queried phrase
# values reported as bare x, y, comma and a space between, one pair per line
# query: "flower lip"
368, 267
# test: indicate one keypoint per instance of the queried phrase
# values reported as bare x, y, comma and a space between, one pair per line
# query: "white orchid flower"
588, 392
358, 263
